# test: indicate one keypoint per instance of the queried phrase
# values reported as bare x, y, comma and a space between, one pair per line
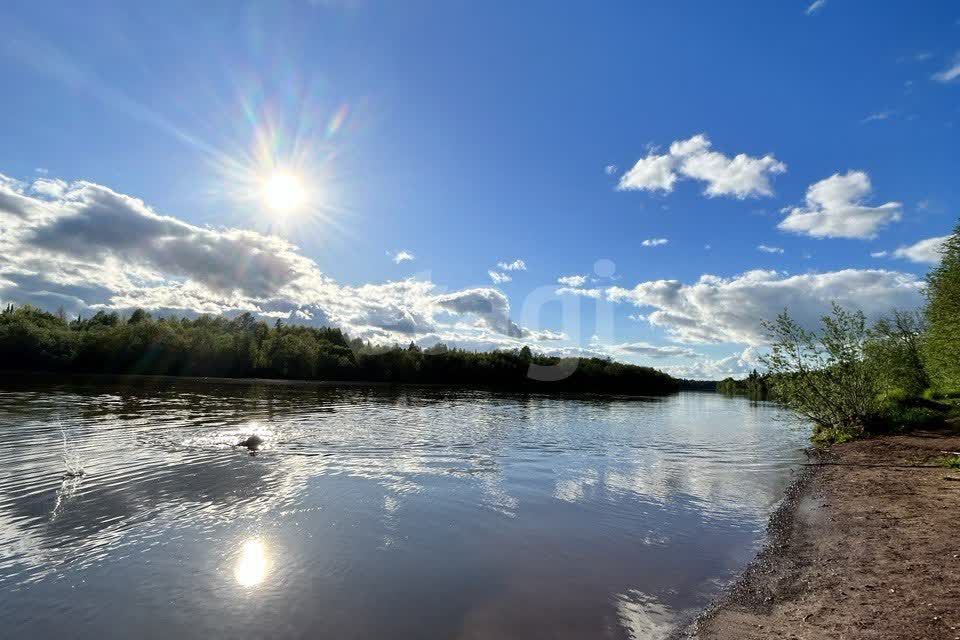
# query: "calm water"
375, 513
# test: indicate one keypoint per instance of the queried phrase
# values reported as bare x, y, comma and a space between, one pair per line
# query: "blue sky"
468, 134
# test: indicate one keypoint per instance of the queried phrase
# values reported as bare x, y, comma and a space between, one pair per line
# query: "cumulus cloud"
926, 251
499, 278
741, 176
92, 223
652, 173
490, 305
402, 256
545, 335
736, 365
84, 246
716, 309
49, 188
654, 242
572, 281
951, 73
835, 209
768, 249
652, 350
14, 203
516, 265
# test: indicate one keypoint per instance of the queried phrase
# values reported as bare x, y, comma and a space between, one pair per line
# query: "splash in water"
72, 463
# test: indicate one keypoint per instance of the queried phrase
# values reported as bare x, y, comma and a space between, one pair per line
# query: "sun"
283, 192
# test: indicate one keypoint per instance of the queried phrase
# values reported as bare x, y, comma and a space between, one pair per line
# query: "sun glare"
283, 193
251, 567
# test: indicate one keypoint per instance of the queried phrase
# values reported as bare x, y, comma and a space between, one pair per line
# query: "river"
375, 512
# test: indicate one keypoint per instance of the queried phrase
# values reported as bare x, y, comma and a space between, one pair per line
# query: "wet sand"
866, 545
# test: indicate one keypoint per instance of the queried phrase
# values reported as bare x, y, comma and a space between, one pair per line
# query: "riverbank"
865, 546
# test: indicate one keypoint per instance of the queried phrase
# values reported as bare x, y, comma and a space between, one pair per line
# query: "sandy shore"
867, 545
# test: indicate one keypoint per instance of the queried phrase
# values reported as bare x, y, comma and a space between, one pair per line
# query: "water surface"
375, 512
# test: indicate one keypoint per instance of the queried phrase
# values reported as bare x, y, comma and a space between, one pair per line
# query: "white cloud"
84, 246
835, 209
878, 116
572, 281
768, 249
579, 291
716, 309
610, 169
654, 242
652, 173
499, 278
546, 335
516, 265
878, 254
736, 365
49, 188
741, 176
490, 305
926, 251
951, 73
650, 350
402, 256
816, 6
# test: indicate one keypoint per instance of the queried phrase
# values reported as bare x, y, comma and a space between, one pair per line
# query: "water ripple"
471, 500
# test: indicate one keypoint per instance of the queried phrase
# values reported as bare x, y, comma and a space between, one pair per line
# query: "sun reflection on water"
252, 566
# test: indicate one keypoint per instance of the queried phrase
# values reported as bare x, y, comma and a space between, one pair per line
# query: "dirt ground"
867, 546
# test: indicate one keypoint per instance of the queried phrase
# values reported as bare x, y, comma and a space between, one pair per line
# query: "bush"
849, 380
896, 411
824, 376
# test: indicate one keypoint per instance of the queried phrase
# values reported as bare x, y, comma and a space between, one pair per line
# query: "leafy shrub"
850, 380
824, 376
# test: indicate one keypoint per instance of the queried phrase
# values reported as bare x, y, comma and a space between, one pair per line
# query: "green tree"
941, 347
31, 339
893, 354
138, 315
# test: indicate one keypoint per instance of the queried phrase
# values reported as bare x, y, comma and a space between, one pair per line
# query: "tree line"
32, 339
755, 386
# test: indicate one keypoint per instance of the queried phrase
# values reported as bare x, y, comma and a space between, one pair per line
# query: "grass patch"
825, 436
950, 462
